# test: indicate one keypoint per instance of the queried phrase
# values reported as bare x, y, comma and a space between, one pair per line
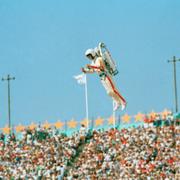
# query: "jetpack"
108, 61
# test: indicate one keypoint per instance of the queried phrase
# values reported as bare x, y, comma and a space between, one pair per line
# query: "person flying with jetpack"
103, 64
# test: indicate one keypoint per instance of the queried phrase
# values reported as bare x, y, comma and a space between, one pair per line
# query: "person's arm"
87, 69
97, 67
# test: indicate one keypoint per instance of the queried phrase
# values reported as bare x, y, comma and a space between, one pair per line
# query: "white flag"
81, 78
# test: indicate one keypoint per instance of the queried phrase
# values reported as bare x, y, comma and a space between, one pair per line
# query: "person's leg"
116, 93
112, 92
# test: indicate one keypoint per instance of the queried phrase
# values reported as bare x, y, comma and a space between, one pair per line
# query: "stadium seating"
142, 152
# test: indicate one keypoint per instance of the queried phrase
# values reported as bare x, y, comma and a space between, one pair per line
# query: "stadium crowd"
40, 154
130, 154
140, 153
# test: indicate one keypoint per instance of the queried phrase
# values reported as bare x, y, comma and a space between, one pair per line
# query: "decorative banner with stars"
46, 125
72, 123
19, 128
99, 121
111, 120
6, 130
152, 115
85, 122
126, 120
139, 117
165, 113
58, 124
32, 126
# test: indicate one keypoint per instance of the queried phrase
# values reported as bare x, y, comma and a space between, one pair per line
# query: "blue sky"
42, 44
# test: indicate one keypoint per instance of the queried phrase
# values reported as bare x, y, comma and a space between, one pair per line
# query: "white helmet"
90, 53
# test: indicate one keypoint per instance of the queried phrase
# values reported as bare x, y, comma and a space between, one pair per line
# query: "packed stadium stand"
137, 153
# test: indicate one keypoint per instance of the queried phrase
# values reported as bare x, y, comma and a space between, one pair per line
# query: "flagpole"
114, 116
86, 98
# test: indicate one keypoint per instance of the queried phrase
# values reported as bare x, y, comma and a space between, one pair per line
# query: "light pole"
8, 79
174, 60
